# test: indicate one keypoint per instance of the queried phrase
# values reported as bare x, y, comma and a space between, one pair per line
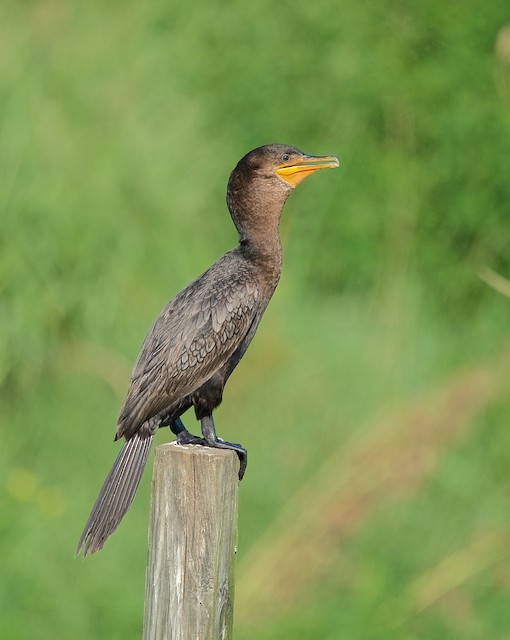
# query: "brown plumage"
200, 336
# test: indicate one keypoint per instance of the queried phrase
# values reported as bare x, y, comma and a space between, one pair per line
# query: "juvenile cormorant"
201, 335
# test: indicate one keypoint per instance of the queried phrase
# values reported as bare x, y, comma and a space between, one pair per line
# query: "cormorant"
202, 334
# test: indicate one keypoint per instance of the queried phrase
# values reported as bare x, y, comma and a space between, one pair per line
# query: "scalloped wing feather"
193, 337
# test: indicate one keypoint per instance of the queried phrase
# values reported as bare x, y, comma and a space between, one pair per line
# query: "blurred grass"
119, 124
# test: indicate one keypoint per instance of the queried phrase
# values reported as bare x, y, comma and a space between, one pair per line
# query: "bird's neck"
259, 239
266, 257
256, 214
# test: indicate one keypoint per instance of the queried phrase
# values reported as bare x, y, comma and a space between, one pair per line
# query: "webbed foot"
184, 436
212, 440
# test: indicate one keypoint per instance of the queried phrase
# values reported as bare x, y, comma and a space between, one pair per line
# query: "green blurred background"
375, 399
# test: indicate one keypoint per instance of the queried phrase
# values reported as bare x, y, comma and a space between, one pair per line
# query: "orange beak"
298, 169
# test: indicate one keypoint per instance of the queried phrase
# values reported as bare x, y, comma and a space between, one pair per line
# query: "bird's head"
262, 181
281, 162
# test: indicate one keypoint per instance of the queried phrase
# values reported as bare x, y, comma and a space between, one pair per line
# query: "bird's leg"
209, 433
183, 435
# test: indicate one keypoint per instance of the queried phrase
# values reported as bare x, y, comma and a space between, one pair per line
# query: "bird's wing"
193, 337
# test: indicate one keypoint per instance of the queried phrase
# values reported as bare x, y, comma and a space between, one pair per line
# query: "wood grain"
192, 544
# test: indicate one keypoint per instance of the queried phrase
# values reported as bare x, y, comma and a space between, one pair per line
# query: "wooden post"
189, 592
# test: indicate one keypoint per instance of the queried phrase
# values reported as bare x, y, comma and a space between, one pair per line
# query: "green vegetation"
374, 401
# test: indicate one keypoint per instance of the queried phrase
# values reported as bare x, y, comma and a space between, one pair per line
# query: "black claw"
243, 462
239, 449
242, 454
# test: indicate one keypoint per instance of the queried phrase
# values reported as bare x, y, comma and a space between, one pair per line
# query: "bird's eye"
285, 157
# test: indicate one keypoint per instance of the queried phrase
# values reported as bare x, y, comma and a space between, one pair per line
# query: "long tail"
116, 494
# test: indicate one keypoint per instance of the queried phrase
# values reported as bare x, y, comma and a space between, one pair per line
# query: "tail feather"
116, 494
